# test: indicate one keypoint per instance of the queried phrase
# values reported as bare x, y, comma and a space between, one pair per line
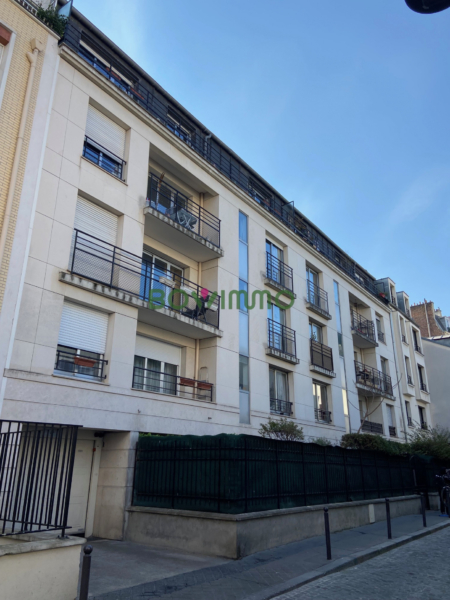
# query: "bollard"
424, 514
327, 532
85, 572
388, 519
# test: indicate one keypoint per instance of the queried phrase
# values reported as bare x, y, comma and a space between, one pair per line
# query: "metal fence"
279, 272
321, 356
36, 467
175, 385
239, 474
317, 296
371, 378
363, 326
281, 338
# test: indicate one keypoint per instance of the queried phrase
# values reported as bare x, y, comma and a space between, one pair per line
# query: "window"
315, 332
416, 339
104, 143
384, 366
408, 414
154, 375
408, 371
179, 126
276, 322
391, 420
7, 39
82, 342
279, 392
158, 274
275, 256
2, 50
422, 417
403, 331
380, 333
321, 411
423, 385
244, 350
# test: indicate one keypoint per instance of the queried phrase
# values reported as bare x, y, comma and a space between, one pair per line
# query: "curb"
343, 563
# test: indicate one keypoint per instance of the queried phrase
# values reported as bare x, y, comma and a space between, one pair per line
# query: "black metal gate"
36, 468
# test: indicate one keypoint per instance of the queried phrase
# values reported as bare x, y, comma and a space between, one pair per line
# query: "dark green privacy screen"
239, 474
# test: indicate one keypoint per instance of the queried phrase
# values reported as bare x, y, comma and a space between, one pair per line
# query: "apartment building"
149, 233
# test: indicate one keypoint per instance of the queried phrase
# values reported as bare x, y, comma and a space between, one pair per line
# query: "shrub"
52, 19
282, 429
432, 442
368, 441
322, 441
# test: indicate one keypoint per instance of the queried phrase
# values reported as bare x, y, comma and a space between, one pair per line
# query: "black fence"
148, 97
374, 380
36, 467
279, 272
109, 265
321, 356
239, 474
280, 407
282, 338
170, 202
103, 158
80, 362
363, 326
317, 296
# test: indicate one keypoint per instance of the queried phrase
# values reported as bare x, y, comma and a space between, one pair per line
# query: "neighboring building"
139, 207
28, 68
430, 320
437, 354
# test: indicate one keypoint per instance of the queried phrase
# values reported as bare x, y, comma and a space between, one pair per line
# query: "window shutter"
96, 221
105, 132
157, 350
83, 328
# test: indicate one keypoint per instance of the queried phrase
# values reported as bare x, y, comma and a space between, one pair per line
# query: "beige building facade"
146, 231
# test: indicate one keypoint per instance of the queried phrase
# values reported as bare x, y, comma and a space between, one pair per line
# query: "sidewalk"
179, 576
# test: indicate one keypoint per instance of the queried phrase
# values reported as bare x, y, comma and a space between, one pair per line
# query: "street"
417, 571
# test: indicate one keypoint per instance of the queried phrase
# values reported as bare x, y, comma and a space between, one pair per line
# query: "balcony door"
315, 332
159, 274
312, 284
156, 366
279, 395
275, 256
320, 401
277, 338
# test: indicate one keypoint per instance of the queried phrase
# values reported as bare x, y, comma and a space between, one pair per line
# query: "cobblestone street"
416, 571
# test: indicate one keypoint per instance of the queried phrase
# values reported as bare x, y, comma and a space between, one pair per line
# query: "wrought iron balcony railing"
392, 431
410, 381
424, 425
111, 266
282, 338
323, 416
380, 336
103, 158
80, 362
423, 387
150, 98
175, 385
280, 407
279, 272
410, 422
317, 296
170, 202
370, 427
363, 326
418, 349
321, 355
372, 378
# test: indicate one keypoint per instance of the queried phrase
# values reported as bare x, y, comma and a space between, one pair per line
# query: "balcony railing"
392, 431
103, 158
370, 427
418, 349
279, 272
404, 339
321, 355
372, 378
323, 416
111, 266
164, 383
317, 296
170, 202
80, 362
282, 338
380, 336
363, 326
424, 425
280, 407
423, 387
410, 381
152, 100
410, 422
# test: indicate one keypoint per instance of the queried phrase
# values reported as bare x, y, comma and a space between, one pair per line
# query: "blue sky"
342, 106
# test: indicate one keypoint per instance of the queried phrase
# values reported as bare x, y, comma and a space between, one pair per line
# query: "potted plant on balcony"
84, 361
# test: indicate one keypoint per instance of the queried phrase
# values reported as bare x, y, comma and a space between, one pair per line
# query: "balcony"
370, 427
392, 431
282, 342
321, 359
371, 380
363, 331
418, 349
80, 363
177, 221
279, 275
280, 407
322, 416
173, 385
423, 387
163, 299
317, 300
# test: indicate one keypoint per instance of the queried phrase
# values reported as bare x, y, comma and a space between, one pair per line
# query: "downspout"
199, 283
32, 57
398, 378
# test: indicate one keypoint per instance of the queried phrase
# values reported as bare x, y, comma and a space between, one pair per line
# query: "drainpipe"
199, 282
398, 378
36, 47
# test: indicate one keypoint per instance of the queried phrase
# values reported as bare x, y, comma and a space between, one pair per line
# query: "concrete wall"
235, 536
39, 568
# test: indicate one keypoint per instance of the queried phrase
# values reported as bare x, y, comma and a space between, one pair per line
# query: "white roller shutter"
150, 348
96, 221
105, 132
83, 328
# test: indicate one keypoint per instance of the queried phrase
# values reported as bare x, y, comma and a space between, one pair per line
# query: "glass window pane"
243, 287
169, 378
282, 389
243, 227
336, 292
243, 334
243, 261
244, 407
243, 373
153, 376
272, 389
